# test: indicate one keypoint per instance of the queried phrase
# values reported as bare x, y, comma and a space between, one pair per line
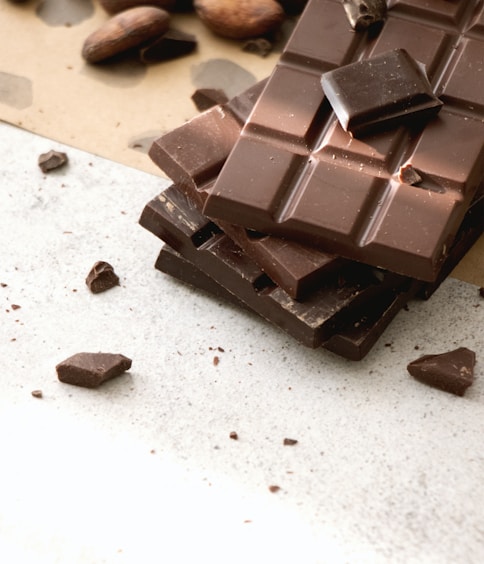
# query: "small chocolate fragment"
380, 92
408, 175
101, 277
52, 160
170, 45
364, 13
206, 98
37, 393
233, 435
259, 46
90, 370
451, 371
289, 442
481, 292
274, 488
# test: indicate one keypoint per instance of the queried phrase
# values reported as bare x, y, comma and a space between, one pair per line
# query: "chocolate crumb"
220, 349
289, 442
101, 277
37, 393
274, 488
92, 369
216, 360
451, 372
233, 435
52, 160
15, 306
481, 292
3, 285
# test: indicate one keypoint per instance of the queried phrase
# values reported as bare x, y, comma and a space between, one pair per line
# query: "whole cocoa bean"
240, 19
124, 31
116, 6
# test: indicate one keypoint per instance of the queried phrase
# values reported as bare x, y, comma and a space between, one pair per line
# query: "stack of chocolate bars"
347, 183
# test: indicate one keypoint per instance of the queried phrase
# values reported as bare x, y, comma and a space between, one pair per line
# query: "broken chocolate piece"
37, 394
52, 160
451, 371
101, 277
92, 369
365, 13
259, 46
233, 435
171, 45
380, 92
408, 175
206, 98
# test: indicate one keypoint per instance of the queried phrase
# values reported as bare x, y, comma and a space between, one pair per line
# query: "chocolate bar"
353, 342
192, 156
294, 172
175, 219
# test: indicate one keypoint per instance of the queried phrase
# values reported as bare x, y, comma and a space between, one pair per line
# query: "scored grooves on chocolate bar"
295, 173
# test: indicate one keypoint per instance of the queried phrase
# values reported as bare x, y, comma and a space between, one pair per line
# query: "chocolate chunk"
52, 160
205, 98
234, 436
312, 182
259, 46
364, 13
92, 369
274, 488
171, 45
451, 371
380, 92
37, 394
101, 277
408, 175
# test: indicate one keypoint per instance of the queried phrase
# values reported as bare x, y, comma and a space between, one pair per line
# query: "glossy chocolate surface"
296, 173
192, 156
380, 92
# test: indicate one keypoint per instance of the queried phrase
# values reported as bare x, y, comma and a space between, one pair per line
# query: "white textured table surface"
143, 469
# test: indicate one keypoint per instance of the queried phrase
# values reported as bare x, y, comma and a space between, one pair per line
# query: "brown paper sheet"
115, 111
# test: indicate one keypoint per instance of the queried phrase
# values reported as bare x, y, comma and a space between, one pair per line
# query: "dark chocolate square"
380, 92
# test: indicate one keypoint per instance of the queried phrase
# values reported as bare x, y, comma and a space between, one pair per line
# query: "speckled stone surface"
143, 468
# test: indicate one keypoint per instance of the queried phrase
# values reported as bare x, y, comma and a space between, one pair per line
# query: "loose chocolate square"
380, 92
90, 370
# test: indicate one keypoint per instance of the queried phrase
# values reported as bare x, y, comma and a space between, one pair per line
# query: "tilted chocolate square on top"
380, 92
